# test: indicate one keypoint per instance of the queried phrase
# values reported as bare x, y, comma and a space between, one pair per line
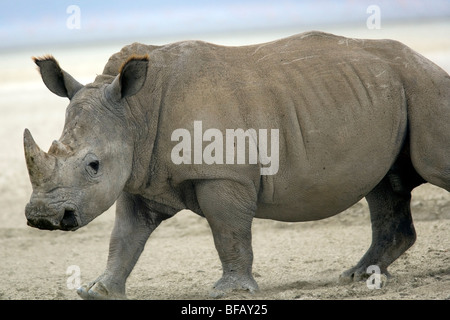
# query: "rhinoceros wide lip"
69, 222
42, 224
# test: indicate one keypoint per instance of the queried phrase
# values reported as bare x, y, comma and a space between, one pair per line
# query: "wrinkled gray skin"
357, 118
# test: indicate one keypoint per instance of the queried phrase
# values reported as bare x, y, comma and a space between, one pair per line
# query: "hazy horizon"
25, 23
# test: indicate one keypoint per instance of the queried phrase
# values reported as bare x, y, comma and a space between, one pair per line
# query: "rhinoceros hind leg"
392, 226
428, 116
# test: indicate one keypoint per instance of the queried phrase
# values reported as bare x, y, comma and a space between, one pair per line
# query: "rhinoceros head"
83, 172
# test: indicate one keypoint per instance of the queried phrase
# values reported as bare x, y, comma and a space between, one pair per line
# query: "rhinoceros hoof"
98, 291
230, 283
356, 274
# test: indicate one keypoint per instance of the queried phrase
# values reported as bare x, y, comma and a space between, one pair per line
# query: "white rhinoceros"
328, 120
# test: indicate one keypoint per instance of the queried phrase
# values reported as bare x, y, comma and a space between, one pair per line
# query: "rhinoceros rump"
356, 118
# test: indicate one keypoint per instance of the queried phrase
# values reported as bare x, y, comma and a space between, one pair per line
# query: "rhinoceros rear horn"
131, 78
40, 165
57, 80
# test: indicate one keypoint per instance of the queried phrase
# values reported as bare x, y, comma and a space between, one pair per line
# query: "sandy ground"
292, 260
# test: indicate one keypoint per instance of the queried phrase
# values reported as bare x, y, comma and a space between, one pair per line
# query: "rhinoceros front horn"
40, 165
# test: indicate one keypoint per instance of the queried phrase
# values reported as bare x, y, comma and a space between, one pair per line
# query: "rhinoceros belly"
342, 131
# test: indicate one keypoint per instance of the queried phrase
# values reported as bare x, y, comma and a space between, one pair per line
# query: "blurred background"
25, 23
83, 34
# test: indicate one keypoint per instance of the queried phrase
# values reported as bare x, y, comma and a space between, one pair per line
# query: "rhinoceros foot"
98, 291
360, 273
229, 283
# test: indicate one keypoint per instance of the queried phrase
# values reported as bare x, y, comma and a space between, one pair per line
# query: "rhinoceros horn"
40, 164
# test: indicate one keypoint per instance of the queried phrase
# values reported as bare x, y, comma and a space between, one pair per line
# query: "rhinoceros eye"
92, 165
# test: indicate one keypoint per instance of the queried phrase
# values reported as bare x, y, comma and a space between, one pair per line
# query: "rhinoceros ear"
131, 78
57, 80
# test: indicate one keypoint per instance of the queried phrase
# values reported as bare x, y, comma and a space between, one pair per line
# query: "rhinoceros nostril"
69, 220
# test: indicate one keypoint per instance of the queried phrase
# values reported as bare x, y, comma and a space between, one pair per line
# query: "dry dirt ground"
291, 260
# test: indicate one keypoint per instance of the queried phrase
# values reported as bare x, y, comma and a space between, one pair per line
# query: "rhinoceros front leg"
133, 225
229, 208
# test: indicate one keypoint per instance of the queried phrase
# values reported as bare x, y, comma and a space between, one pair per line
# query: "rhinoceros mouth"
69, 222
43, 224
